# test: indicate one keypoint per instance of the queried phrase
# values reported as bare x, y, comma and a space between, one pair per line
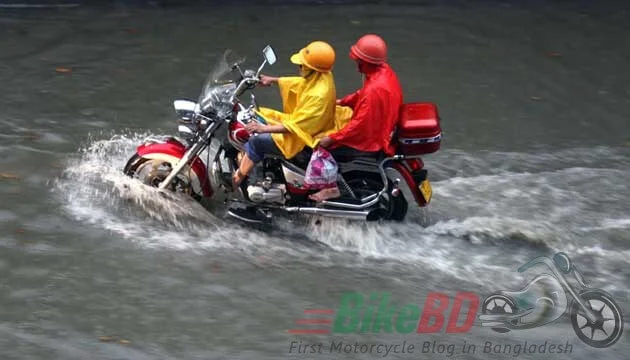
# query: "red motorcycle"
372, 188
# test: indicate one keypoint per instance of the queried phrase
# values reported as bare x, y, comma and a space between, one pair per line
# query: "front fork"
190, 154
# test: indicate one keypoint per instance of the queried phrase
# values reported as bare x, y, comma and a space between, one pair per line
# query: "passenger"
375, 107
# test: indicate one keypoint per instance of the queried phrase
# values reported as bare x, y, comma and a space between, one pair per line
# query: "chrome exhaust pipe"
346, 214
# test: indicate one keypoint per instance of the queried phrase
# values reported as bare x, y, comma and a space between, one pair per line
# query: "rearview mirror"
270, 56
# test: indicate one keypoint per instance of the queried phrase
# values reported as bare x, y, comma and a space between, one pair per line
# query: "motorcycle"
372, 188
546, 298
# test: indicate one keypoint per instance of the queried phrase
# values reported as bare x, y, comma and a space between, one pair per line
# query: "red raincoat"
376, 109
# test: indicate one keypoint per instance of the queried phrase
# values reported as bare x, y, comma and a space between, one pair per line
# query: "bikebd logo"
595, 316
375, 313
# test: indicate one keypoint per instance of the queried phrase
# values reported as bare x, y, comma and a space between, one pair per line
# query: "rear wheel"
365, 184
499, 304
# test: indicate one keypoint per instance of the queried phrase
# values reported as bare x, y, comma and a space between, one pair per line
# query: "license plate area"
426, 190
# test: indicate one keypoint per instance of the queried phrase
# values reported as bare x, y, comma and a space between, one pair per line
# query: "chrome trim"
369, 197
156, 139
195, 149
346, 214
403, 186
377, 196
184, 105
184, 129
217, 172
289, 165
234, 215
413, 141
354, 206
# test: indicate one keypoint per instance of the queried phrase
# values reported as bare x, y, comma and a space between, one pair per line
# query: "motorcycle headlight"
185, 115
188, 129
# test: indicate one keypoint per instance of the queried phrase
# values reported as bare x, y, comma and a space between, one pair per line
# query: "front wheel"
153, 171
608, 325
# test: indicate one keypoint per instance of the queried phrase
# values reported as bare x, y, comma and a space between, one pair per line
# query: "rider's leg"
255, 150
244, 168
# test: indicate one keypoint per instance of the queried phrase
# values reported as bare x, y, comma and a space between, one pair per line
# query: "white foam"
543, 209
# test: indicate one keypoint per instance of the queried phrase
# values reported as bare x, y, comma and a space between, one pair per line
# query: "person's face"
304, 71
360, 66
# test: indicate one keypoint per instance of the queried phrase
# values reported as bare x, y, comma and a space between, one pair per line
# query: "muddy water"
535, 105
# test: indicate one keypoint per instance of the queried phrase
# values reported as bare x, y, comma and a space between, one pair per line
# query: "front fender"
171, 151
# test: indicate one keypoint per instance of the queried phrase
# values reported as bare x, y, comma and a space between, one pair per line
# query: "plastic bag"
321, 172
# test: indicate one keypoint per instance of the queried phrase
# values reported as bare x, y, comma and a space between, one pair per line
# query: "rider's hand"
326, 142
267, 80
338, 102
254, 127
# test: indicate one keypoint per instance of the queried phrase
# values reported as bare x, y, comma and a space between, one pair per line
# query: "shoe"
325, 194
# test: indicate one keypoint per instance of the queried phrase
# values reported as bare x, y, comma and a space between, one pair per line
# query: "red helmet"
369, 48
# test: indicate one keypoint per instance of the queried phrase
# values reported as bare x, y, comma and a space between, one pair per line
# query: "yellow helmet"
318, 55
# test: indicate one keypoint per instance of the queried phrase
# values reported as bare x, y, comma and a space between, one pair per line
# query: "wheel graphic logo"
595, 316
606, 329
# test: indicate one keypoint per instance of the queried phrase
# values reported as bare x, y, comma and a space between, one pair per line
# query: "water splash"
474, 216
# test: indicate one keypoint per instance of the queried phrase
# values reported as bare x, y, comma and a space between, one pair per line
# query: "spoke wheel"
394, 208
608, 324
499, 304
152, 172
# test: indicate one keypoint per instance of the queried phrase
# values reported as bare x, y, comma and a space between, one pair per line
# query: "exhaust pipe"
371, 215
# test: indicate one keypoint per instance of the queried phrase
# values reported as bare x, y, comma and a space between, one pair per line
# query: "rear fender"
408, 181
171, 150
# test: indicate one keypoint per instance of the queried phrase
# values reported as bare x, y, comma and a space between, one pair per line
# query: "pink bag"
321, 172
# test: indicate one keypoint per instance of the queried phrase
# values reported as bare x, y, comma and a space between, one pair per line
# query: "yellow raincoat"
309, 112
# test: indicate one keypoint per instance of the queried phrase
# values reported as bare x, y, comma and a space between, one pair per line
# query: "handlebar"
248, 82
553, 267
536, 261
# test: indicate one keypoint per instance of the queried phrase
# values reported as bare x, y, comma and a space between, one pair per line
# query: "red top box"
419, 130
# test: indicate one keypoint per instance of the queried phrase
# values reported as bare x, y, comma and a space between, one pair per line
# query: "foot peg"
251, 215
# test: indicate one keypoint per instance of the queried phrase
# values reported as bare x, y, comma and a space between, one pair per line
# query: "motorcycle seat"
346, 155
302, 159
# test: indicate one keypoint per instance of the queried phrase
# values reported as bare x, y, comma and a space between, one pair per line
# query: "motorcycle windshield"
220, 84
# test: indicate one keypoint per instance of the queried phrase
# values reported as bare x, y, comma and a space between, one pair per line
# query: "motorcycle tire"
365, 183
136, 161
606, 309
499, 304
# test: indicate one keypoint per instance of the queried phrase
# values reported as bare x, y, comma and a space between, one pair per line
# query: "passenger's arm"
349, 100
366, 108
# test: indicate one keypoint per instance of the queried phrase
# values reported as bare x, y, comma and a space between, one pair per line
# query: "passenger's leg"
332, 192
326, 194
339, 153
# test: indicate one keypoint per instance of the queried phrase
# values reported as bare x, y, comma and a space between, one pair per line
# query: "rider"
308, 109
375, 108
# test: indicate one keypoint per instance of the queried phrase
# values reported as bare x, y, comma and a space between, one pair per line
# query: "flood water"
535, 108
